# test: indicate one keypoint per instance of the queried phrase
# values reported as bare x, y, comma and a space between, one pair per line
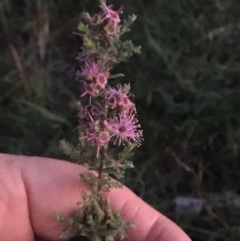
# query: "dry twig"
197, 179
12, 48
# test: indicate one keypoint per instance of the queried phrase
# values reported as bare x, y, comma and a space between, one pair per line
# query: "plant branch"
197, 178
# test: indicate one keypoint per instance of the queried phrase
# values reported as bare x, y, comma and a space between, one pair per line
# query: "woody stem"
104, 118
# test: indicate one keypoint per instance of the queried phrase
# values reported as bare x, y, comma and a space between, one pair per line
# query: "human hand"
33, 188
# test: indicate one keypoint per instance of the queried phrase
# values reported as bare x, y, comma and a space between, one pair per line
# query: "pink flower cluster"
108, 15
116, 120
95, 77
119, 98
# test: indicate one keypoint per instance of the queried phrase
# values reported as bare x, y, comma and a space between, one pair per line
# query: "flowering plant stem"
108, 127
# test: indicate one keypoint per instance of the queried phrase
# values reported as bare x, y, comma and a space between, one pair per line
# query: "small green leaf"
59, 217
83, 28
114, 76
44, 112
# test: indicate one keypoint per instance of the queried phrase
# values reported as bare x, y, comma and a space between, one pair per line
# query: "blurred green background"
186, 84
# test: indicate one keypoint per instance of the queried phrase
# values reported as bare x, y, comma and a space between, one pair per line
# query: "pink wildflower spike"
111, 14
126, 129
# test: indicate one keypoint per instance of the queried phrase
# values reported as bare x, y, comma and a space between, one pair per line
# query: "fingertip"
150, 224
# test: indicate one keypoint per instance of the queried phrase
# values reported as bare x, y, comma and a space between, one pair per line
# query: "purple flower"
120, 90
91, 69
125, 129
126, 104
96, 137
103, 138
112, 92
83, 113
119, 97
102, 141
90, 89
91, 136
111, 14
89, 112
108, 14
94, 72
102, 79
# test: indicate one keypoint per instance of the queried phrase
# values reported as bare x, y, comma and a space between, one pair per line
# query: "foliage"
105, 114
186, 85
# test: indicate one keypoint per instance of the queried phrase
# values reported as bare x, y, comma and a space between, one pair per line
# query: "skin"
33, 188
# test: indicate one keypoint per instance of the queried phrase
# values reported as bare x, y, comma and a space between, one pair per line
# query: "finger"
52, 186
14, 213
150, 224
55, 186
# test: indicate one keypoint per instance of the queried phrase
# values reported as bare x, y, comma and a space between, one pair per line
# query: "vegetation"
186, 86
